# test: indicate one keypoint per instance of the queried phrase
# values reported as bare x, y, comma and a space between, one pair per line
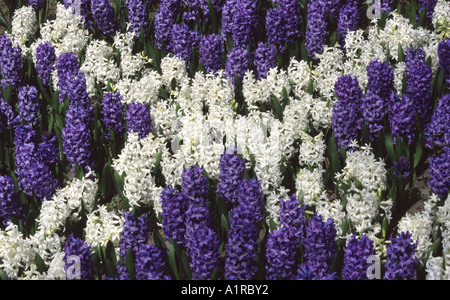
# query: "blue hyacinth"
28, 104
78, 248
137, 15
356, 254
347, 119
113, 112
45, 61
138, 119
401, 263
10, 206
232, 169
174, 206
103, 15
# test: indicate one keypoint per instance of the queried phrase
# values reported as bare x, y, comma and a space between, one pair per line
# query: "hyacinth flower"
439, 174
134, 234
280, 254
429, 6
81, 8
319, 241
242, 240
138, 119
439, 125
319, 250
238, 62
67, 67
347, 119
204, 253
356, 254
150, 263
10, 64
48, 148
211, 48
418, 83
380, 79
373, 110
314, 270
250, 193
244, 22
265, 58
103, 16
444, 58
402, 168
174, 206
45, 61
292, 216
194, 184
112, 111
232, 169
137, 15
379, 88
33, 175
78, 248
402, 119
195, 190
37, 4
181, 42
77, 90
10, 206
283, 22
28, 104
77, 137
349, 16
401, 263
164, 21
242, 243
7, 116
316, 32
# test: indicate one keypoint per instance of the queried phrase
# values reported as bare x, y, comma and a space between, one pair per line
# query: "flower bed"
225, 139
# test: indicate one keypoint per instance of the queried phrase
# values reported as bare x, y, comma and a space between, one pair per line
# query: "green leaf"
173, 262
440, 82
388, 143
213, 15
418, 154
272, 225
40, 264
333, 153
110, 260
129, 263
105, 180
278, 112
159, 240
401, 53
224, 223
186, 265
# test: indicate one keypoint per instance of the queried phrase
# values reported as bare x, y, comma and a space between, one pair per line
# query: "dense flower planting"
225, 140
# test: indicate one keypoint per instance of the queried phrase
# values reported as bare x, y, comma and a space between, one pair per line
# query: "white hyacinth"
136, 163
99, 63
332, 210
173, 68
15, 251
312, 150
361, 165
66, 33
328, 70
23, 27
441, 13
299, 74
68, 202
103, 226
310, 183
